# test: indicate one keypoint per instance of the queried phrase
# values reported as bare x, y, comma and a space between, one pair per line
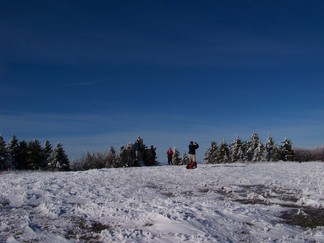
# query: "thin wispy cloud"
86, 83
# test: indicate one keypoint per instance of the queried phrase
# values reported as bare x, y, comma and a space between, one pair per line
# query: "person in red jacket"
169, 155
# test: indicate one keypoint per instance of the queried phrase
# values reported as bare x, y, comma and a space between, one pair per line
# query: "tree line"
31, 155
128, 156
253, 150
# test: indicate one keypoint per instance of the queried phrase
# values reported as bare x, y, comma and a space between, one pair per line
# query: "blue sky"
95, 74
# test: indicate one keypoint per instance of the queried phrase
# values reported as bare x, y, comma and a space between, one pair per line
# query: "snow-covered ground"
213, 203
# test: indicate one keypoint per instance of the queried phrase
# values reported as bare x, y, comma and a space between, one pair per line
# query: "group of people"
192, 155
143, 155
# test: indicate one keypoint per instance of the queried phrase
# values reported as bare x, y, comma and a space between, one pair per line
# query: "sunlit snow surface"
213, 203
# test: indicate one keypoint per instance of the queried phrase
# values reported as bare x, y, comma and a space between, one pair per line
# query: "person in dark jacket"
152, 155
192, 151
138, 147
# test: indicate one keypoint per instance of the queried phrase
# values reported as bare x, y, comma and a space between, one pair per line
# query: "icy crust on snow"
213, 203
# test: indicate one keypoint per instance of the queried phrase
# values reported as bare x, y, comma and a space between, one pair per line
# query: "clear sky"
95, 74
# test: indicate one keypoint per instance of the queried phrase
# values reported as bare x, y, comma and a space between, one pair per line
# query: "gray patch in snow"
304, 217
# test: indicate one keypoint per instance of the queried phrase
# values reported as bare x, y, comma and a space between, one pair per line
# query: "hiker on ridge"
192, 151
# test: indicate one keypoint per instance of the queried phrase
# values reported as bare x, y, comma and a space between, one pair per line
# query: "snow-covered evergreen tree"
176, 160
58, 160
259, 153
185, 159
47, 151
276, 154
222, 153
3, 154
269, 147
211, 153
255, 149
236, 150
126, 156
287, 153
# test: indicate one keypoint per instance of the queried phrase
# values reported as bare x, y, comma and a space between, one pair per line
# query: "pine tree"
259, 153
3, 154
276, 154
12, 152
236, 150
269, 147
47, 151
149, 156
126, 156
211, 153
255, 149
185, 159
176, 157
222, 153
35, 157
287, 153
58, 160
245, 151
22, 155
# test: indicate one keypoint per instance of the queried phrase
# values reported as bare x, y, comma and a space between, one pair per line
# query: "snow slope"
213, 203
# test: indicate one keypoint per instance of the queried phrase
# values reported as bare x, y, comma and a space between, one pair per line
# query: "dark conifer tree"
287, 153
35, 156
276, 153
126, 156
149, 156
22, 155
12, 152
3, 154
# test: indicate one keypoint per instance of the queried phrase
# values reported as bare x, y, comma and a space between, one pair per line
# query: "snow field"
213, 203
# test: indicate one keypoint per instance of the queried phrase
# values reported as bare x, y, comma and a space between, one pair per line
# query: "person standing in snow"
169, 155
138, 150
192, 151
151, 155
